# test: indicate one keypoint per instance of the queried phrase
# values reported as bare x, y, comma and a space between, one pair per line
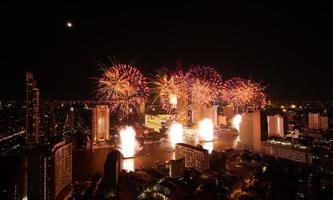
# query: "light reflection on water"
86, 162
128, 164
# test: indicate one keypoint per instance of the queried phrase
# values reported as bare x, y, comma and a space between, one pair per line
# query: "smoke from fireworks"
244, 93
175, 134
124, 88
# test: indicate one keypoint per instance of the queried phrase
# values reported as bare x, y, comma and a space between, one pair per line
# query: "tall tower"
100, 123
253, 130
32, 110
112, 166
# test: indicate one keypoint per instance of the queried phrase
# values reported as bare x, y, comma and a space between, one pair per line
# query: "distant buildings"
317, 122
100, 123
195, 157
288, 151
275, 126
32, 110
253, 130
156, 122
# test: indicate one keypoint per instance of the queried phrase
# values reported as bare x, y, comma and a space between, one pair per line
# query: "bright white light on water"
176, 132
128, 164
236, 121
206, 130
128, 142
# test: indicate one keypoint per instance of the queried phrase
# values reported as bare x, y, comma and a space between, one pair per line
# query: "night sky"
285, 46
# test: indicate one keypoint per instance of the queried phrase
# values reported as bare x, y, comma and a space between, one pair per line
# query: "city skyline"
285, 47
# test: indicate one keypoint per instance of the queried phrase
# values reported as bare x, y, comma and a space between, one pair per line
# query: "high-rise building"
314, 120
176, 167
32, 110
253, 130
229, 112
201, 113
275, 126
288, 151
62, 158
323, 122
112, 166
100, 123
194, 156
49, 171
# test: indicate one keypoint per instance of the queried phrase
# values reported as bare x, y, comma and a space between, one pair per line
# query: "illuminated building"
62, 155
176, 167
324, 122
49, 171
229, 112
112, 166
32, 110
275, 126
288, 151
222, 120
194, 156
314, 120
209, 112
253, 130
317, 122
48, 124
100, 123
156, 122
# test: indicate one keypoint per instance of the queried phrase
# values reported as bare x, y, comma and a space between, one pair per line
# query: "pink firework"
244, 93
205, 85
124, 87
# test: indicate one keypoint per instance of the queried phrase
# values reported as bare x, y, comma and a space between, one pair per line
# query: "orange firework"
124, 88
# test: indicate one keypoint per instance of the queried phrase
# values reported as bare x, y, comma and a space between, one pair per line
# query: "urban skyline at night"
168, 101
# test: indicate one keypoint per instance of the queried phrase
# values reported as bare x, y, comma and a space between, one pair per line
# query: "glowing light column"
175, 134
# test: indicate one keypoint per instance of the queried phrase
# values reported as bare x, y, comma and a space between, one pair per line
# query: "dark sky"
286, 46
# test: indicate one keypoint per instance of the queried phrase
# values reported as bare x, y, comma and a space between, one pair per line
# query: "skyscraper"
112, 166
194, 156
32, 110
314, 120
253, 130
100, 123
323, 122
317, 122
275, 126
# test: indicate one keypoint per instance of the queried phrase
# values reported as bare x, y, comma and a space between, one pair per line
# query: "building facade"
194, 156
253, 130
100, 123
275, 126
32, 110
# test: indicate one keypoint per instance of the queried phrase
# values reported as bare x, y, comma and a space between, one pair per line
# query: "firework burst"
205, 85
124, 88
244, 93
